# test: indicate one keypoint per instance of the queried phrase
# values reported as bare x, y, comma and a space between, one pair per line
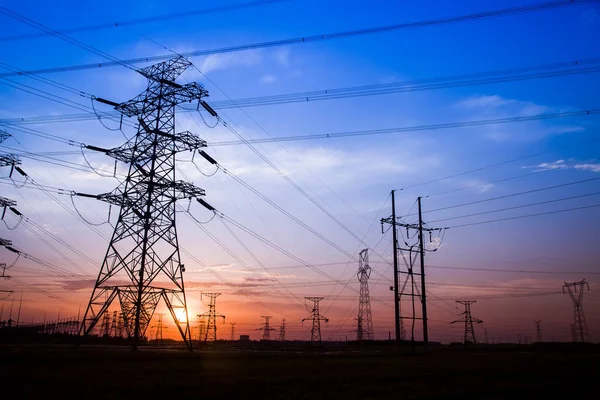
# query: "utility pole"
364, 331
144, 248
266, 328
468, 320
232, 330
579, 327
393, 222
211, 316
538, 331
282, 331
419, 227
316, 318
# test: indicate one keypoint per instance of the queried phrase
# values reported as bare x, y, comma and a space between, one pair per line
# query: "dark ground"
338, 373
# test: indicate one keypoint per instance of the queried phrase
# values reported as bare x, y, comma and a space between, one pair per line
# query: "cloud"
494, 101
282, 56
268, 78
214, 62
562, 164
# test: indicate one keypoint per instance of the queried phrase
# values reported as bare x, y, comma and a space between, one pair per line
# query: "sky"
515, 268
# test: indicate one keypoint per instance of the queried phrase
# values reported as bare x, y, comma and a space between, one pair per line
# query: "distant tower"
113, 325
211, 314
201, 327
485, 333
159, 329
232, 330
538, 331
282, 331
580, 329
468, 320
364, 330
105, 326
316, 318
266, 328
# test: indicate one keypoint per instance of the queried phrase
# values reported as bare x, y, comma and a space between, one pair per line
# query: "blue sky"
351, 177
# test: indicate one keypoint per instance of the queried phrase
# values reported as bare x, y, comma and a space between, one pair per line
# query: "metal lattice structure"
316, 318
468, 319
144, 248
232, 330
579, 326
210, 333
538, 331
364, 330
282, 330
266, 328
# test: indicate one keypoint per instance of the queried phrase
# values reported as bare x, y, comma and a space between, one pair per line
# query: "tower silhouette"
538, 331
364, 330
232, 331
282, 331
266, 328
316, 318
144, 249
579, 327
469, 321
159, 329
211, 316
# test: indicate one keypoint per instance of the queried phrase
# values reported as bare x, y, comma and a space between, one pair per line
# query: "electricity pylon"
266, 328
113, 325
364, 330
211, 315
469, 321
201, 327
282, 331
159, 329
579, 327
105, 326
144, 248
538, 331
232, 330
316, 318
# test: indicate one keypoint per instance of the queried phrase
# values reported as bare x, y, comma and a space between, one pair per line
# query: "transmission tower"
364, 330
316, 318
113, 325
232, 330
159, 328
580, 329
282, 331
266, 328
538, 331
105, 326
201, 328
469, 321
144, 247
211, 315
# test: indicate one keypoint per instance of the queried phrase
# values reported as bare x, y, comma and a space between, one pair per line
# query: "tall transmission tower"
316, 318
144, 247
159, 328
364, 330
282, 331
210, 333
201, 328
232, 330
105, 326
538, 331
113, 325
416, 248
266, 328
469, 321
579, 327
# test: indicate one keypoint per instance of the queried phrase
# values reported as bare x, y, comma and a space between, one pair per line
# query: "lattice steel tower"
364, 330
316, 318
282, 331
266, 328
210, 333
144, 249
579, 326
538, 331
469, 321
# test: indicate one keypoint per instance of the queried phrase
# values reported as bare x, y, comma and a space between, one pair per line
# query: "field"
275, 373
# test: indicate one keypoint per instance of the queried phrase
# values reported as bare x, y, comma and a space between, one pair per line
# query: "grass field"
60, 371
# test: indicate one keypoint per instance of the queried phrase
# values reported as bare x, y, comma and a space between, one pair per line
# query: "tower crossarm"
9, 159
172, 94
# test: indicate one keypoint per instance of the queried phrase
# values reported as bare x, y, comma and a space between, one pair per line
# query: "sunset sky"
514, 268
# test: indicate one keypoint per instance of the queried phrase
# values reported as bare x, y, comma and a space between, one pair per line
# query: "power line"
139, 21
523, 216
517, 207
305, 39
510, 195
480, 78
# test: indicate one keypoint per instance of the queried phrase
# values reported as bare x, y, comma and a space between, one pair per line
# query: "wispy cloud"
562, 164
268, 78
